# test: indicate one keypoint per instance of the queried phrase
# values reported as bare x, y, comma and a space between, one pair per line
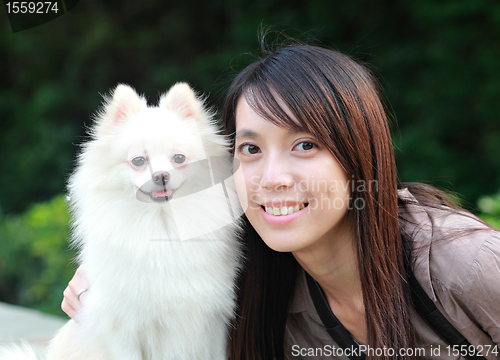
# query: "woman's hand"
75, 292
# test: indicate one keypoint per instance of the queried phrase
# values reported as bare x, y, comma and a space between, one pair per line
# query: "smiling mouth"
283, 210
159, 196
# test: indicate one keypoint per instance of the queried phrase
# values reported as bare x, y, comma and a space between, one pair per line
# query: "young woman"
317, 181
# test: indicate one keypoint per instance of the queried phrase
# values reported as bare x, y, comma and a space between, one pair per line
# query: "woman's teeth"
284, 210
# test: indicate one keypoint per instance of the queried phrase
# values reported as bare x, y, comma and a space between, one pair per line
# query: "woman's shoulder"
451, 248
456, 259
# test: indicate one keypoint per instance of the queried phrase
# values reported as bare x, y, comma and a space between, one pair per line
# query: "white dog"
155, 221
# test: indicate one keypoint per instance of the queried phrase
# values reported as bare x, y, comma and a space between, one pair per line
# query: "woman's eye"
179, 158
138, 161
305, 145
249, 149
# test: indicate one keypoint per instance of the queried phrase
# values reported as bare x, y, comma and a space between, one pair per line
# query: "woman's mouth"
282, 215
283, 210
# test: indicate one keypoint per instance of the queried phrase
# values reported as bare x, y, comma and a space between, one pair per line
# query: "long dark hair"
336, 100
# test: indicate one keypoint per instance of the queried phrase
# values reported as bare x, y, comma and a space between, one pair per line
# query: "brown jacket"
460, 273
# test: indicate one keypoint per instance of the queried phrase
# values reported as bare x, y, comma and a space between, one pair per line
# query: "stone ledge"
22, 324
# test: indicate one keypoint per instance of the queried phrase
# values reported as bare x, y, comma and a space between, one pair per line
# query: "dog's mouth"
159, 195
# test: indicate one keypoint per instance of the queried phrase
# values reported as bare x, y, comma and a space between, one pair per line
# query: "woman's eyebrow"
246, 133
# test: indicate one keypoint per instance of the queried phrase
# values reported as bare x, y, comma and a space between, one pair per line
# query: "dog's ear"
125, 102
182, 100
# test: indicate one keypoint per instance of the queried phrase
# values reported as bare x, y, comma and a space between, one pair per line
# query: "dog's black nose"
161, 177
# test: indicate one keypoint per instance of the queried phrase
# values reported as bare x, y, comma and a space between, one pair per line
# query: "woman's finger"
75, 293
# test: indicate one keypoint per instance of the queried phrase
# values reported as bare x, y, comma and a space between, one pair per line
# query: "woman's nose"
277, 175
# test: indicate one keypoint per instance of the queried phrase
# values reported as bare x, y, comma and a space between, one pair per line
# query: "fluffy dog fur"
159, 244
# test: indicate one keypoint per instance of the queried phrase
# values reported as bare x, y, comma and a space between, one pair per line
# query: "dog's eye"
179, 158
138, 161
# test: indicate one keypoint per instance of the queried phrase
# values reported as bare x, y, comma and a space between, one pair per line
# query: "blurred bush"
490, 209
35, 260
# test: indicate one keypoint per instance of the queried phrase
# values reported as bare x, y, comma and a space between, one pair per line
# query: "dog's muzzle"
161, 178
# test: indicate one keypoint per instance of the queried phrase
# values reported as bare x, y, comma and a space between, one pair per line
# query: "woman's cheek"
241, 188
254, 201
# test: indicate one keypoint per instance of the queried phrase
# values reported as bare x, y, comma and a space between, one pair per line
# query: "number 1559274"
31, 7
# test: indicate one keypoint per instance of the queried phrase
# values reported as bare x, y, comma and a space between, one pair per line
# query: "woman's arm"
482, 288
75, 292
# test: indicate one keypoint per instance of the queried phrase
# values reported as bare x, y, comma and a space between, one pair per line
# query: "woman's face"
293, 191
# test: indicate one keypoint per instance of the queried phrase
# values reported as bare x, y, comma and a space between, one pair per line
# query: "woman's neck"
332, 262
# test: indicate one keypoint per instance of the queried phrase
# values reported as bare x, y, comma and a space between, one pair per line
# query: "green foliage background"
438, 63
35, 262
490, 209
